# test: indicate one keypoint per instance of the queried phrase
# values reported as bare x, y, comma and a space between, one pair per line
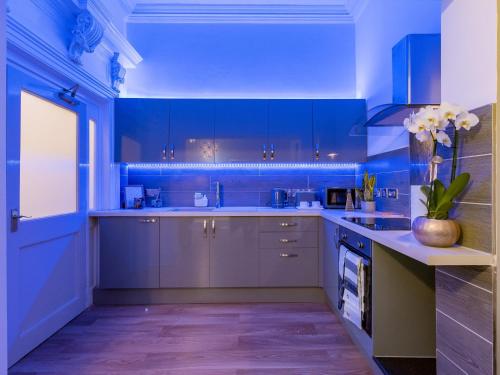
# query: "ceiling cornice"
155, 12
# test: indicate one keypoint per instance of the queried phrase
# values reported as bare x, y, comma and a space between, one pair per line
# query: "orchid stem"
455, 154
434, 153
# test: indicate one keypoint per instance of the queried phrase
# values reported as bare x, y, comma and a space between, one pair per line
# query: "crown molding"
154, 12
356, 8
20, 37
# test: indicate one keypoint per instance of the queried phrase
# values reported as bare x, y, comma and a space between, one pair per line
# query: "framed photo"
132, 192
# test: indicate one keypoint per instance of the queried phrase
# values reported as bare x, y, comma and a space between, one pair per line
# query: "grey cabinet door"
288, 268
335, 140
191, 131
241, 128
290, 131
330, 261
129, 252
234, 259
184, 252
141, 130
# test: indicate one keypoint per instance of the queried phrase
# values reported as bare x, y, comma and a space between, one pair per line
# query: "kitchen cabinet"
234, 258
129, 252
290, 131
141, 130
191, 131
241, 131
335, 135
184, 252
330, 261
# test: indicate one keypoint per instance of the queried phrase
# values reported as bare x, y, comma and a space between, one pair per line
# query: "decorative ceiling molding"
20, 37
243, 12
356, 8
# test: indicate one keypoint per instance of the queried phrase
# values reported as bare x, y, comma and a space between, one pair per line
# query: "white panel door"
46, 180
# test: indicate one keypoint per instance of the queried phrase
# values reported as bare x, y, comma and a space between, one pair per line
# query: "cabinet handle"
205, 227
147, 221
272, 151
264, 152
164, 152
316, 152
286, 240
213, 228
287, 255
285, 225
172, 152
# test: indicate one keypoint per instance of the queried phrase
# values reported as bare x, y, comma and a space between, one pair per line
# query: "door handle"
15, 216
205, 227
213, 228
147, 221
285, 224
316, 152
286, 240
287, 255
264, 152
164, 152
272, 151
172, 152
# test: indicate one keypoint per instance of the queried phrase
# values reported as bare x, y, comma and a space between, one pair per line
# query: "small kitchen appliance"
332, 197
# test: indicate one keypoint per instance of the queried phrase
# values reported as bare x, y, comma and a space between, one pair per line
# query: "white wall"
469, 52
243, 61
3, 224
382, 24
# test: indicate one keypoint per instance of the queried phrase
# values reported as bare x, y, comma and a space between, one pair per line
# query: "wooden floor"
239, 339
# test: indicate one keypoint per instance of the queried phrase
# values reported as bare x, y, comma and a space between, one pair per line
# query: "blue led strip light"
330, 166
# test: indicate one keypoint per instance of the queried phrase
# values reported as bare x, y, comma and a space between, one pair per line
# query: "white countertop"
401, 241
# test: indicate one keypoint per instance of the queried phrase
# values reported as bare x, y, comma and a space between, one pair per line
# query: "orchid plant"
431, 123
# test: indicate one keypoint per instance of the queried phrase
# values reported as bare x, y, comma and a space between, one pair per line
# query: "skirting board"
207, 295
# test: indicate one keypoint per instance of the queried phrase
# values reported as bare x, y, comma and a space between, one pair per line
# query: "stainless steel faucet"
217, 195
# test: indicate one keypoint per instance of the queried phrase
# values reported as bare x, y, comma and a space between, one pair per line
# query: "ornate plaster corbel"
117, 73
87, 34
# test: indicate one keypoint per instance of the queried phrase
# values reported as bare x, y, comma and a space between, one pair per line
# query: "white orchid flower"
466, 120
449, 112
443, 138
423, 136
430, 117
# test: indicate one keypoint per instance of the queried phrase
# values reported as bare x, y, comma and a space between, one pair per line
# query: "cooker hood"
416, 77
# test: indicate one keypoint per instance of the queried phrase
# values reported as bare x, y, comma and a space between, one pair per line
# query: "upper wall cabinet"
191, 131
141, 129
333, 135
290, 131
241, 128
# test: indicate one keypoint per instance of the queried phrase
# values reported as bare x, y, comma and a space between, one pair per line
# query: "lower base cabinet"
184, 252
129, 252
289, 268
331, 261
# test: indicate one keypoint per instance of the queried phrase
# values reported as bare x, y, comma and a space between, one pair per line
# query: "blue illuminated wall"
249, 186
243, 61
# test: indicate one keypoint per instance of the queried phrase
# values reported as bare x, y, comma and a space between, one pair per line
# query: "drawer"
275, 240
288, 268
288, 224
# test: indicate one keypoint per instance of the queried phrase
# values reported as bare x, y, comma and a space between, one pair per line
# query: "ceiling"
245, 11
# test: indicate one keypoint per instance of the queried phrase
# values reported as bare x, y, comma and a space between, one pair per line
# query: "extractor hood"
416, 77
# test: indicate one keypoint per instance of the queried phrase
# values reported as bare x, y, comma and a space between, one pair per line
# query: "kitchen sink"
193, 209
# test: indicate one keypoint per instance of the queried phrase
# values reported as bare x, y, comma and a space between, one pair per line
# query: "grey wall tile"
481, 276
318, 182
241, 199
467, 304
480, 186
400, 206
397, 179
469, 351
238, 183
446, 367
476, 223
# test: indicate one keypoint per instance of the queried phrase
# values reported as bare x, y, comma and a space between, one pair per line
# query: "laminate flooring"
199, 339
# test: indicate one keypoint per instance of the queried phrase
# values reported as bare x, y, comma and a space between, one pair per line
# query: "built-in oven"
354, 246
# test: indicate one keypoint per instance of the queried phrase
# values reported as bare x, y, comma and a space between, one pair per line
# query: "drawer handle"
287, 255
285, 225
147, 221
286, 240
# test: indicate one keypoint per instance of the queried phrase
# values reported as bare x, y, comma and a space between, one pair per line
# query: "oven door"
349, 293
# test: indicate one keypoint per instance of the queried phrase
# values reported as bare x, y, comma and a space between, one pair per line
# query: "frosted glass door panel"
48, 162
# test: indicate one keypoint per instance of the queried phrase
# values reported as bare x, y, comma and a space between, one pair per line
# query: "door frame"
3, 199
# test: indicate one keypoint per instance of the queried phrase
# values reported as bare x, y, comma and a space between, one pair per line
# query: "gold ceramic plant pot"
432, 232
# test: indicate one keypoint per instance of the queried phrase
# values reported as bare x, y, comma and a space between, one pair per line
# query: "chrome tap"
217, 194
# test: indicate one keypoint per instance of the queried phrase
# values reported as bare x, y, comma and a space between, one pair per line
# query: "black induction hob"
381, 223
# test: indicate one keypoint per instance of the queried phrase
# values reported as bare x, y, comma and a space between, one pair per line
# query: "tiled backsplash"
250, 186
392, 170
